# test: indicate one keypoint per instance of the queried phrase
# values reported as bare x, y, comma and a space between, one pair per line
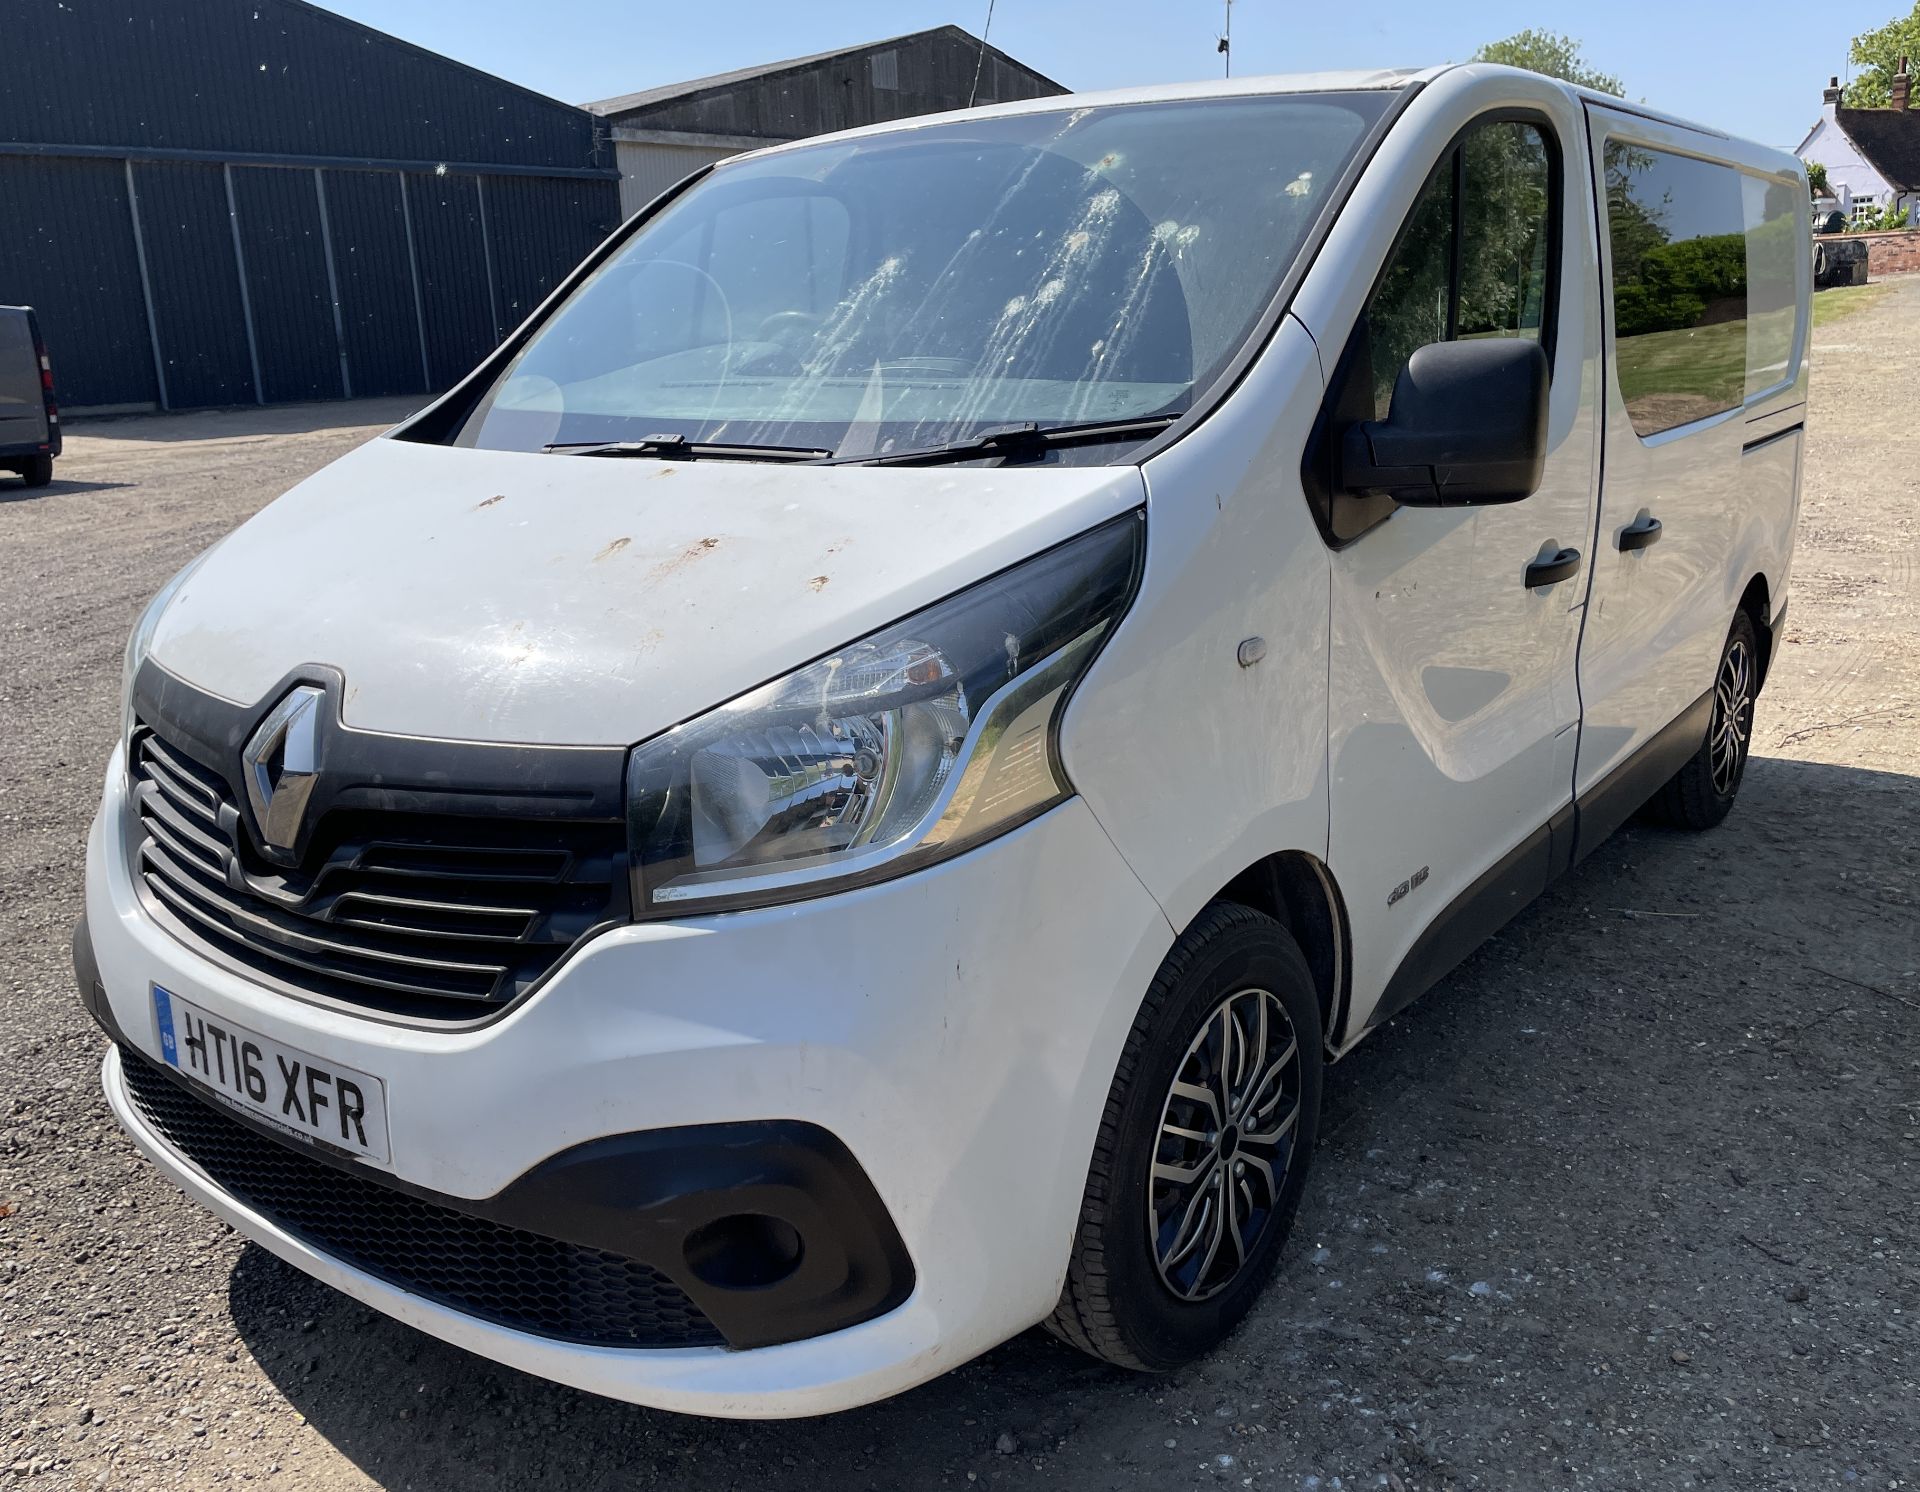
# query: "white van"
834, 801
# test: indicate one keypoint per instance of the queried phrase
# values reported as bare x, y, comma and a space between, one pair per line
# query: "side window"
1776, 246
1474, 259
1678, 229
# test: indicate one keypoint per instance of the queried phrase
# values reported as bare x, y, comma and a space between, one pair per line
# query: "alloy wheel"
1226, 1144
1732, 722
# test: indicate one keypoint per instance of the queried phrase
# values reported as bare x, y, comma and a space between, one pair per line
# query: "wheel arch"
1757, 602
1298, 891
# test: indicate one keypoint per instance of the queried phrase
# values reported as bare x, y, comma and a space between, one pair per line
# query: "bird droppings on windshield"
490, 501
612, 549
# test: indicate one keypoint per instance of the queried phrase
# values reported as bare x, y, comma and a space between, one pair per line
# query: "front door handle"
1553, 569
1642, 533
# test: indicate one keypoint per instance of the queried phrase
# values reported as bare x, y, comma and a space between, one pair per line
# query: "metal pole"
419, 305
246, 298
1226, 41
486, 246
980, 60
333, 284
146, 288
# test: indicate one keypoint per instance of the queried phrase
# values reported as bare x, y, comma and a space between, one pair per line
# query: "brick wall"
1889, 253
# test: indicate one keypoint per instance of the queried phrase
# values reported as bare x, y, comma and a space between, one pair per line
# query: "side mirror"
1467, 425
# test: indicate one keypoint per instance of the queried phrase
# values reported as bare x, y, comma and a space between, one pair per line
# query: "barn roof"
695, 88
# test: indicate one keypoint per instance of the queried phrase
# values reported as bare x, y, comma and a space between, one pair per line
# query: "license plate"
306, 1096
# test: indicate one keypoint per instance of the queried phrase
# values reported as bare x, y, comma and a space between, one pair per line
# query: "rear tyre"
37, 470
1203, 1147
1702, 792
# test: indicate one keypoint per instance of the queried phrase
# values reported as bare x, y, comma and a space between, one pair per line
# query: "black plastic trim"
1575, 831
1764, 441
1776, 632
641, 1196
86, 975
1501, 893
371, 771
374, 771
1619, 795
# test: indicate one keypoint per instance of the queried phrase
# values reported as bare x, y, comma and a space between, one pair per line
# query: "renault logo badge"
282, 762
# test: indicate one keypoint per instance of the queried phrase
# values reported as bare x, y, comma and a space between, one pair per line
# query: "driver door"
1454, 714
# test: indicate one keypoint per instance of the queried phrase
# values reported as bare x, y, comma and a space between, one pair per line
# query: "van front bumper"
908, 1078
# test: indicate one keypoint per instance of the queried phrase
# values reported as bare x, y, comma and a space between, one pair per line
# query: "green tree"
1555, 55
1817, 179
1878, 54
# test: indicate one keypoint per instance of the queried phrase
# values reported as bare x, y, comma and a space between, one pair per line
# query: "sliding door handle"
1553, 569
1643, 533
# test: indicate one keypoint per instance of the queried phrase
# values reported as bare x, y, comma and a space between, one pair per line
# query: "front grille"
517, 1279
423, 915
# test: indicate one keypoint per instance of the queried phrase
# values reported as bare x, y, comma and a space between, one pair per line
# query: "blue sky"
1755, 67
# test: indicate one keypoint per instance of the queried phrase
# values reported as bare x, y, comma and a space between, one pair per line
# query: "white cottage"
1872, 156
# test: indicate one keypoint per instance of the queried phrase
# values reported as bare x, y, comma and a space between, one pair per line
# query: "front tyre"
1702, 792
1203, 1147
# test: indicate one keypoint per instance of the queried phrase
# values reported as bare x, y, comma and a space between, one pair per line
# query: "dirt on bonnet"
1631, 1200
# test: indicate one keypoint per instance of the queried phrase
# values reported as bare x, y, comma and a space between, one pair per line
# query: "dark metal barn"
664, 133
236, 201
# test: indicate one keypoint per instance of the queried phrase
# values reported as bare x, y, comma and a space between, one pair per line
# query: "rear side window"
1776, 249
1474, 258
1680, 281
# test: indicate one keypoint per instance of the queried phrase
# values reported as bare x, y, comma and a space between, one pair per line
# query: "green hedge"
1676, 283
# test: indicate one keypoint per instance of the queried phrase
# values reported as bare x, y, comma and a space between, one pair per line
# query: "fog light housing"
745, 1251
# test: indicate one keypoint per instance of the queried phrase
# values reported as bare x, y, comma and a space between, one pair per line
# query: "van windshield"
926, 286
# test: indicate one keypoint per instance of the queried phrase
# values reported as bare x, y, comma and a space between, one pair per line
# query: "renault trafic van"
834, 801
29, 419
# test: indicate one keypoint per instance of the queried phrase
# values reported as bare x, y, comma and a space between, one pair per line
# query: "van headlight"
907, 746
140, 642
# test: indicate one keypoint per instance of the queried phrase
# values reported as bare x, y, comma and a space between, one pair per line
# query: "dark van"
29, 421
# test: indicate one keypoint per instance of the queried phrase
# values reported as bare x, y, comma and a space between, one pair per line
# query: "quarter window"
1474, 259
1680, 276
1776, 252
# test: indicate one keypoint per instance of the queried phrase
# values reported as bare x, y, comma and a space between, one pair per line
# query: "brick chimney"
1833, 93
1902, 87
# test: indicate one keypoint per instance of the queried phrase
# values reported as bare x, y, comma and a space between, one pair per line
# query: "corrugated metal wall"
67, 249
216, 202
282, 77
536, 225
379, 322
285, 253
199, 321
452, 262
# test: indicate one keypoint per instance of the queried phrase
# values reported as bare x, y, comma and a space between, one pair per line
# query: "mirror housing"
1467, 426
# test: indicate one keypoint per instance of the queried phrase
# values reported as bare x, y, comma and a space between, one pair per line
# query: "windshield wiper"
1015, 443
679, 448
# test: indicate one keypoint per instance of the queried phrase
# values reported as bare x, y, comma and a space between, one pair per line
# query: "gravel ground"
1631, 1200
